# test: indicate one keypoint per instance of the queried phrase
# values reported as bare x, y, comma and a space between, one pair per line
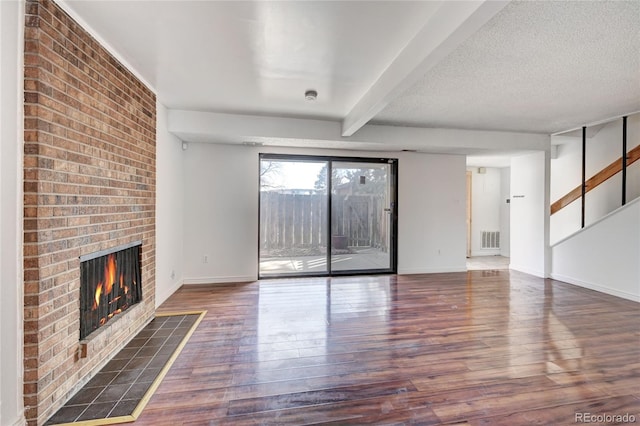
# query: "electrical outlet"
205, 258
173, 274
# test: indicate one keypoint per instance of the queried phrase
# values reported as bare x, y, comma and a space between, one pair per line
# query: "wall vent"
490, 239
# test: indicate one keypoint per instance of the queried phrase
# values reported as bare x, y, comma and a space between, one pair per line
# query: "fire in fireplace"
109, 283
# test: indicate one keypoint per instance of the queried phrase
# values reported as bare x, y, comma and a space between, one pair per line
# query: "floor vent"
490, 239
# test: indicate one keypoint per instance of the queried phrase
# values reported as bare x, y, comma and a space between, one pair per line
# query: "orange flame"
106, 286
96, 300
110, 273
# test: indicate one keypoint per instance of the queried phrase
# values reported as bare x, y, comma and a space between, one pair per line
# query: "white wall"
505, 211
604, 256
529, 214
11, 291
604, 145
221, 211
169, 209
485, 207
432, 230
566, 174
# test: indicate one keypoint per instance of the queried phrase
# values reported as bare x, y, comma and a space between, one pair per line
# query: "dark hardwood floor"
484, 347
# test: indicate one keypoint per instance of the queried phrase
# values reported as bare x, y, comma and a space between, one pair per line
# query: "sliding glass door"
361, 206
326, 216
293, 217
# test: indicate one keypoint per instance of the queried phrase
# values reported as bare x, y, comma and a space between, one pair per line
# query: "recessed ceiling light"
311, 95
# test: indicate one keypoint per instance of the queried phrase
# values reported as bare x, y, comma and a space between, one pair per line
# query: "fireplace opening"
109, 284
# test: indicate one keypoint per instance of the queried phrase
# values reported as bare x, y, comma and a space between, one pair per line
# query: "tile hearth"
124, 385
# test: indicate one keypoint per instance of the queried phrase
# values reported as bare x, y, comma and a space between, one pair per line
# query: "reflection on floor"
482, 263
478, 348
363, 259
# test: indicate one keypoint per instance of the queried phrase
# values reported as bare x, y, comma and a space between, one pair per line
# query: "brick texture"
89, 185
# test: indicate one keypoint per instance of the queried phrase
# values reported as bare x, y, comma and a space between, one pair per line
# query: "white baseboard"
411, 271
218, 280
596, 287
534, 272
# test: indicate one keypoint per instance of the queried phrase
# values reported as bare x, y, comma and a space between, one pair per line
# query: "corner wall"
529, 214
169, 210
11, 142
505, 211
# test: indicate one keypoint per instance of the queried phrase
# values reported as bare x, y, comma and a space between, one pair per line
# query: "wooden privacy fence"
299, 221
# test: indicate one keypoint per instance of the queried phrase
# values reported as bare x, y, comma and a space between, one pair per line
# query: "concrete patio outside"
365, 259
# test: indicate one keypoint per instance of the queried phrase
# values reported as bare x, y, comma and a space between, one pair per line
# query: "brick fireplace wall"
89, 185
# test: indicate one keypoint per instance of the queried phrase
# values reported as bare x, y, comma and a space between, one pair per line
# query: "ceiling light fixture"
311, 95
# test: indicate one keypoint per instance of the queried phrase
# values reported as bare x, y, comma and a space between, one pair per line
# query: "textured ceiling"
537, 67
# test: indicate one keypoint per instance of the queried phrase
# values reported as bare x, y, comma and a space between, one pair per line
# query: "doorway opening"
326, 216
488, 217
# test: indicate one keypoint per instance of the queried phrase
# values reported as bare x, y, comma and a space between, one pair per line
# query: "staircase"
596, 239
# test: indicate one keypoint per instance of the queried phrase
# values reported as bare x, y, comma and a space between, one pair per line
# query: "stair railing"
619, 165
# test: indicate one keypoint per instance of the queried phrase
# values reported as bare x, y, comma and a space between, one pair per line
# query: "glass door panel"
362, 208
293, 217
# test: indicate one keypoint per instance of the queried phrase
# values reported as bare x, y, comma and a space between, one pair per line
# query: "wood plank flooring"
476, 348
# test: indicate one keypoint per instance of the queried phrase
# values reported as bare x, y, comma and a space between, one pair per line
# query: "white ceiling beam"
451, 24
208, 127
